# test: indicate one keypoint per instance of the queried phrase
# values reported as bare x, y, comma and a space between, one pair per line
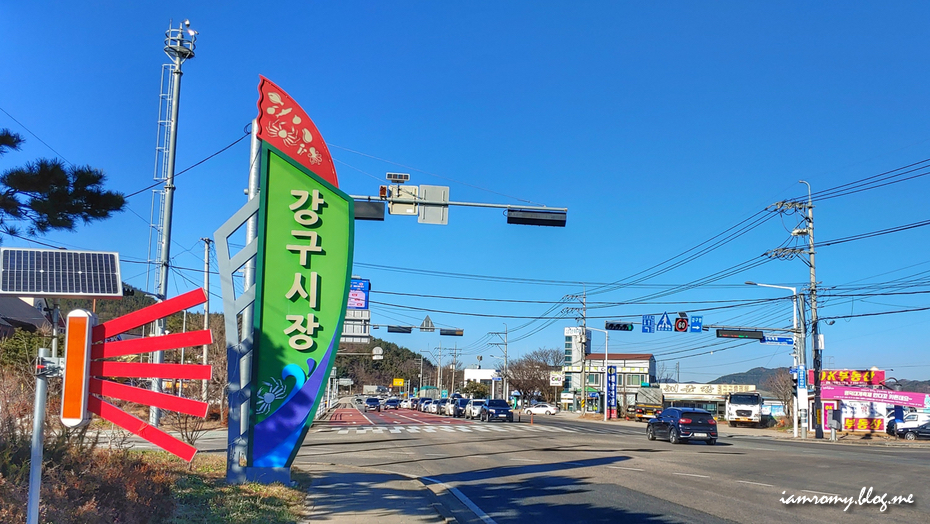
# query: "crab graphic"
269, 393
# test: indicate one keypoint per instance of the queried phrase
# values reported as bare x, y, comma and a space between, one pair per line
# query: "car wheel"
548, 412
732, 424
711, 442
910, 435
673, 436
650, 433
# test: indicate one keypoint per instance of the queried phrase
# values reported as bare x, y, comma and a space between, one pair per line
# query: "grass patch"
202, 495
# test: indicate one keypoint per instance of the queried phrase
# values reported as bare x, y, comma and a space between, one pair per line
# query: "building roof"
620, 356
20, 314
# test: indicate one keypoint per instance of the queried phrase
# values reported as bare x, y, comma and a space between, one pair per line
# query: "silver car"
474, 407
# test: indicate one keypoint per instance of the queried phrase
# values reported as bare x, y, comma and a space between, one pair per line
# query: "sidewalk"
346, 494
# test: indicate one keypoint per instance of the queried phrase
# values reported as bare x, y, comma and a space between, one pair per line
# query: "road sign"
427, 326
778, 341
681, 325
377, 350
664, 323
611, 386
649, 323
398, 382
697, 323
434, 213
618, 326
358, 293
377, 357
445, 393
496, 379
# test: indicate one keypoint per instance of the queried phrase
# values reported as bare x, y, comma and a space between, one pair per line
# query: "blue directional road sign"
649, 323
778, 341
697, 323
664, 323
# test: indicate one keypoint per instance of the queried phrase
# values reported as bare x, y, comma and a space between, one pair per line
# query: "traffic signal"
618, 326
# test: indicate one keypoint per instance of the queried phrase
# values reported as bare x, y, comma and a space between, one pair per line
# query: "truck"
648, 403
744, 407
374, 390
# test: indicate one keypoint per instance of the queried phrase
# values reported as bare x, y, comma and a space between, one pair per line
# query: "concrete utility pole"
817, 351
179, 48
420, 381
206, 310
439, 372
584, 347
505, 386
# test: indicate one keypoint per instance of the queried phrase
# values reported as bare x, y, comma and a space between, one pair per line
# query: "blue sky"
658, 125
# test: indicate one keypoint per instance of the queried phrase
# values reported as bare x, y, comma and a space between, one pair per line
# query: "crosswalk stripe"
447, 429
480, 428
343, 432
466, 430
429, 429
396, 430
413, 430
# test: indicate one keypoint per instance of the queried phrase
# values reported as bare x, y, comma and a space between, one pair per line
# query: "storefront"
709, 397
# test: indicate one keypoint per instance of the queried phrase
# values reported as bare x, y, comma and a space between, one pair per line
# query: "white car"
542, 409
911, 420
474, 407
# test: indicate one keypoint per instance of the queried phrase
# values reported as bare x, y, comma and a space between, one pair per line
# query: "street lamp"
606, 350
800, 357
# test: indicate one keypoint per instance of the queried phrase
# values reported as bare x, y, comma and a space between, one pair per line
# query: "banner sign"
848, 377
707, 389
897, 398
556, 378
611, 386
358, 293
305, 248
863, 424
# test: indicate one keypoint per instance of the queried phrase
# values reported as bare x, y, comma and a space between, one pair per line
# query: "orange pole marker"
74, 390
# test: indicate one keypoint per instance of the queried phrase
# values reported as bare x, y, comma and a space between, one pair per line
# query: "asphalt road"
563, 469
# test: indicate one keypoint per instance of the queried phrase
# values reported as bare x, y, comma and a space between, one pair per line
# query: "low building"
17, 313
489, 377
710, 397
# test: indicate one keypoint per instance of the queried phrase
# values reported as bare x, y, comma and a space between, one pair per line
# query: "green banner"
306, 239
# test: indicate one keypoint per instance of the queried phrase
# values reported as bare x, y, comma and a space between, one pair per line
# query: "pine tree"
50, 194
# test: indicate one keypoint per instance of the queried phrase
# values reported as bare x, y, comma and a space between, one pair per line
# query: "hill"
755, 376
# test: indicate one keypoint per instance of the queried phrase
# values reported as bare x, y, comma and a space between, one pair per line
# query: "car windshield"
462, 402
498, 403
373, 401
744, 399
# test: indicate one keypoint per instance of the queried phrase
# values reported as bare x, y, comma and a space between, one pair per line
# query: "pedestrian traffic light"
618, 326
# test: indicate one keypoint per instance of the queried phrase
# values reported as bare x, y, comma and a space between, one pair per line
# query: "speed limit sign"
681, 325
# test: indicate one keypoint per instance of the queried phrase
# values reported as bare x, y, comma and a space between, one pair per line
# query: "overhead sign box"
740, 333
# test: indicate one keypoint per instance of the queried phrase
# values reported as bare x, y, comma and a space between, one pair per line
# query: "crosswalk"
458, 429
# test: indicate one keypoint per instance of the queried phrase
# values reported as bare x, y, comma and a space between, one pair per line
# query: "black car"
372, 404
392, 403
496, 409
683, 424
922, 431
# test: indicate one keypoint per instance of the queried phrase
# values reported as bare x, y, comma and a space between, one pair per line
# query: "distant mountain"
755, 376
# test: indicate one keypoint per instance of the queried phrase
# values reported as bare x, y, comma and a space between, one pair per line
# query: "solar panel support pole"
38, 437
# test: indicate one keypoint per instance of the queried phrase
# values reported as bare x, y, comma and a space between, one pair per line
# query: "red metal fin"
107, 388
137, 427
135, 346
148, 314
109, 368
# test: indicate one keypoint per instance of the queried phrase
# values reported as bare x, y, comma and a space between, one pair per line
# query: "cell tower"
179, 46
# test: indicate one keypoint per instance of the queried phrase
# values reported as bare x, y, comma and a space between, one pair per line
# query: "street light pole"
800, 357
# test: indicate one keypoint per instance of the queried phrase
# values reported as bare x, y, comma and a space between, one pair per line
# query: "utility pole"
505, 383
584, 347
787, 253
420, 381
455, 349
206, 309
678, 372
439, 372
179, 48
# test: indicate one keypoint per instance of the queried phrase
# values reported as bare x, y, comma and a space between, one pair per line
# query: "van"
911, 420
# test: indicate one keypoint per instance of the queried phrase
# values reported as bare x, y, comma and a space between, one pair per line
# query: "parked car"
414, 402
405, 404
373, 404
683, 424
495, 409
911, 421
473, 407
456, 407
424, 405
392, 403
542, 409
438, 406
914, 433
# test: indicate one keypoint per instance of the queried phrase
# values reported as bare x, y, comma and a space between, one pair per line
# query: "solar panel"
59, 273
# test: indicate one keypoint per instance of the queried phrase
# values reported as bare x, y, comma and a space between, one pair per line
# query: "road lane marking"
396, 430
412, 429
436, 455
465, 500
756, 483
447, 429
466, 430
366, 418
429, 429
691, 475
527, 460
628, 469
343, 432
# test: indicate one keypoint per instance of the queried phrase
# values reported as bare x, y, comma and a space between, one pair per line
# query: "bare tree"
782, 386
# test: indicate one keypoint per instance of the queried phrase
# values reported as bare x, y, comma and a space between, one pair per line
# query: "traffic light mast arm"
396, 200
747, 328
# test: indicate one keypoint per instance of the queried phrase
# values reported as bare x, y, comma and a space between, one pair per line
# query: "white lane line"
691, 475
436, 455
628, 469
343, 432
465, 500
527, 460
447, 429
762, 449
819, 493
755, 483
466, 430
366, 418
417, 420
